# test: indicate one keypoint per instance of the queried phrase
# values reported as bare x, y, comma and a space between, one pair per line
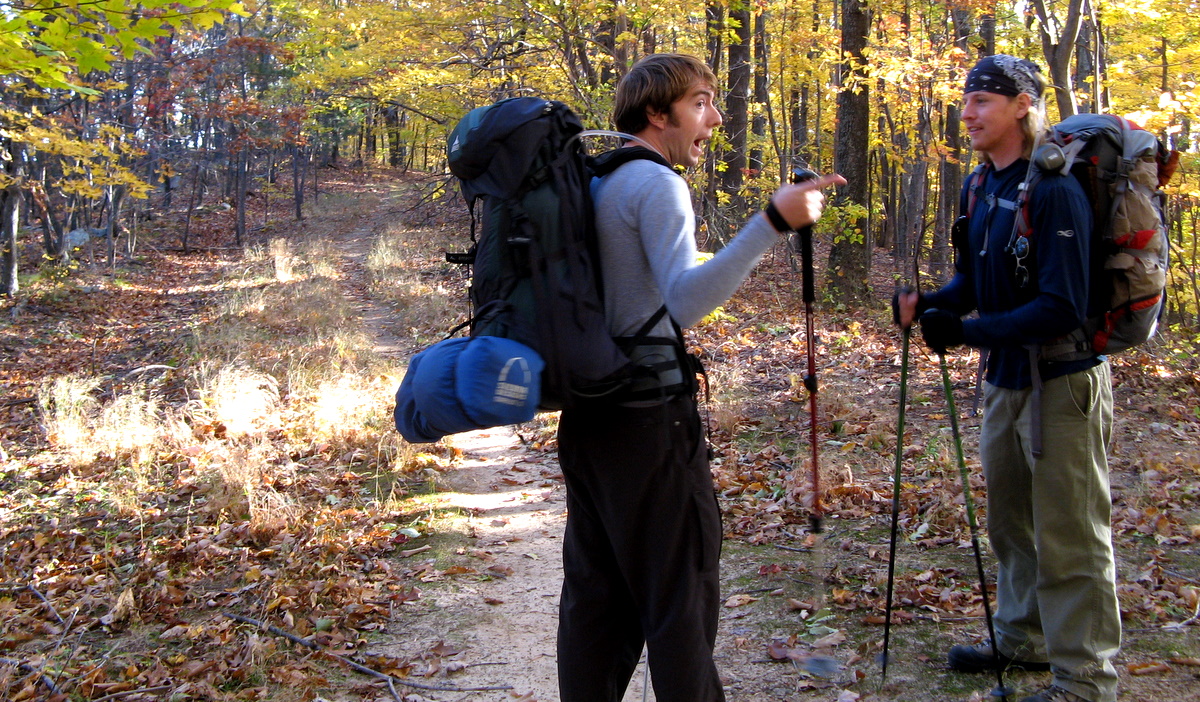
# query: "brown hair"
654, 83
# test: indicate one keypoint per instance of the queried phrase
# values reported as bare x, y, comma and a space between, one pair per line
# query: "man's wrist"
776, 219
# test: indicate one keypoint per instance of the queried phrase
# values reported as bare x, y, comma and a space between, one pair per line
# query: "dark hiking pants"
640, 553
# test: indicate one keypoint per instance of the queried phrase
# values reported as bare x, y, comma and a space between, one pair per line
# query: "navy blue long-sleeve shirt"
1056, 298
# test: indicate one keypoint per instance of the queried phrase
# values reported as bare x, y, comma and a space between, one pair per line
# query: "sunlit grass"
344, 410
283, 260
283, 369
243, 401
731, 395
131, 424
244, 484
395, 264
69, 410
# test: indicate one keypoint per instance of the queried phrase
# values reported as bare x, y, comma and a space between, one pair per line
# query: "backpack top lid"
493, 147
1123, 139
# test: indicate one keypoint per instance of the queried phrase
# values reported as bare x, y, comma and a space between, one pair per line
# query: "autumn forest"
112, 108
222, 235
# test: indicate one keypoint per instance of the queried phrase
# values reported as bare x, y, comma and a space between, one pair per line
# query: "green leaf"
91, 56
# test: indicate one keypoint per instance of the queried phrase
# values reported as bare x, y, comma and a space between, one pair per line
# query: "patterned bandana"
1004, 75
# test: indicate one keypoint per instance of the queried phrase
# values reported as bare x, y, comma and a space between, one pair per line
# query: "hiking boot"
978, 659
1054, 693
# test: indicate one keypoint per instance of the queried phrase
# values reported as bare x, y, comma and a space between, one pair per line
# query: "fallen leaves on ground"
119, 599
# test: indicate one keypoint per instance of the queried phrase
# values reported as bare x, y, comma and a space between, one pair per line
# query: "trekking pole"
887, 621
1001, 691
805, 234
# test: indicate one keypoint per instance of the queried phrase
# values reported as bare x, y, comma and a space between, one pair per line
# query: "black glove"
941, 330
921, 304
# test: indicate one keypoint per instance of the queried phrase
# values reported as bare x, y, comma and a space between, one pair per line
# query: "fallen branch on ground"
26, 668
128, 693
389, 679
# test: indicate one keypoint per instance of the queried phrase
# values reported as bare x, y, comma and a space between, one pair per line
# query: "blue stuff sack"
467, 383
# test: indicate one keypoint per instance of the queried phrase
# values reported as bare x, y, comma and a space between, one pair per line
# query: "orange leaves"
124, 608
739, 600
459, 570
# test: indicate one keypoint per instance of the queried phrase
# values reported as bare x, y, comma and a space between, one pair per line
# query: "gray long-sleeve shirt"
646, 227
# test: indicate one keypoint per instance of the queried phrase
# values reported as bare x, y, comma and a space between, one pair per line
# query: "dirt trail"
503, 619
506, 624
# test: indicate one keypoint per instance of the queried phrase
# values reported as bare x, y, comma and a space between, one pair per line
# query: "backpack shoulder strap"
654, 319
975, 183
609, 161
1024, 223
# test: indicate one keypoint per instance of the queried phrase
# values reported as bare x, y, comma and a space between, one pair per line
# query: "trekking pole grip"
806, 262
805, 234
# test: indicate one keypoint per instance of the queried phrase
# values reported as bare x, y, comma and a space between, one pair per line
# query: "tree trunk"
714, 20
242, 187
951, 166
916, 197
10, 220
761, 98
395, 155
197, 174
888, 236
798, 117
850, 259
369, 127
297, 182
649, 40
116, 198
737, 103
621, 56
1058, 44
315, 169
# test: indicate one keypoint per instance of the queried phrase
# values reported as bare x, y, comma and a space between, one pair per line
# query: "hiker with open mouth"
643, 532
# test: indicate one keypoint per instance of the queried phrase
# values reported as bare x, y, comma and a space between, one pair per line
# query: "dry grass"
69, 410
258, 464
284, 368
399, 264
241, 400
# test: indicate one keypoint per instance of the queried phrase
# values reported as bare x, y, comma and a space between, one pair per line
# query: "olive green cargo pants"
1049, 524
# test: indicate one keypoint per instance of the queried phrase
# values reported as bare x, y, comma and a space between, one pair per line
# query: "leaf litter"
101, 600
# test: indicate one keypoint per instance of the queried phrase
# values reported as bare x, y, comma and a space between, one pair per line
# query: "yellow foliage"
88, 165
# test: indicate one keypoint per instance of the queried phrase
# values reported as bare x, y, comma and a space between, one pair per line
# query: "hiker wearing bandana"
1048, 509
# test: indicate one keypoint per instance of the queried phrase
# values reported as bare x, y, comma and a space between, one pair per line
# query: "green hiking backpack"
535, 261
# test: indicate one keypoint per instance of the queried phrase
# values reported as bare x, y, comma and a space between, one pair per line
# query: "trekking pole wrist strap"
781, 225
